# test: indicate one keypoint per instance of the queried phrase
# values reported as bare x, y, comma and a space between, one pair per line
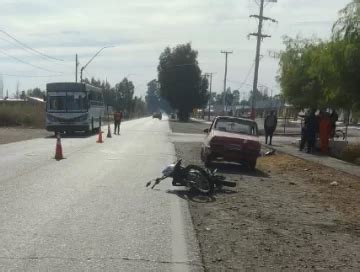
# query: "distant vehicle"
231, 139
73, 107
157, 115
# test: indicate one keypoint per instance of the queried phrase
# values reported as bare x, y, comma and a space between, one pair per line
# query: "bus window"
57, 102
76, 101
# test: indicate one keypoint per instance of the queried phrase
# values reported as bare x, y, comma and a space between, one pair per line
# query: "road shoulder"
290, 214
17, 134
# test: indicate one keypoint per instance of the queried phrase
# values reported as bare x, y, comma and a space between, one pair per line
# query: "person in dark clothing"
270, 126
311, 129
117, 121
334, 117
303, 140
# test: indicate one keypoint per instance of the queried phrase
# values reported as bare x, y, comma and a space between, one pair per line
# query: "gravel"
286, 216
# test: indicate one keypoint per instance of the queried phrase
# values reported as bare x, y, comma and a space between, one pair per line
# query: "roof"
37, 99
74, 86
247, 120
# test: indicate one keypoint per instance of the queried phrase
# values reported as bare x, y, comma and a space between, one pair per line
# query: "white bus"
73, 107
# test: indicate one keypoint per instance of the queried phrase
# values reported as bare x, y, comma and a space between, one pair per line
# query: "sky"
140, 30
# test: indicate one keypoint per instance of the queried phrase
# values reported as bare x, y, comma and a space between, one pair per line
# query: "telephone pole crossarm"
264, 18
260, 35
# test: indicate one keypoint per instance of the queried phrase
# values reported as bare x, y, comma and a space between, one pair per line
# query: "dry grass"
344, 196
27, 115
351, 153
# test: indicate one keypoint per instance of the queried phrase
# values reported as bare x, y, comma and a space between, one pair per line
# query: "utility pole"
210, 74
76, 67
226, 60
260, 37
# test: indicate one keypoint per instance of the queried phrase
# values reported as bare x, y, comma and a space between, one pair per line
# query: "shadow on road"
234, 168
194, 196
74, 135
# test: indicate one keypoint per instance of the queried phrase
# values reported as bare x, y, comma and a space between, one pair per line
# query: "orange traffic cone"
58, 152
100, 140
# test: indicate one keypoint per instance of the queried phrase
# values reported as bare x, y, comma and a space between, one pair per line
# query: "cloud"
142, 29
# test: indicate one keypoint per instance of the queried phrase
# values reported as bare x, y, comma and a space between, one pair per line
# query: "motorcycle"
193, 177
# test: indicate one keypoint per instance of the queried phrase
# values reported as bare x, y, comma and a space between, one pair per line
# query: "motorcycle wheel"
198, 179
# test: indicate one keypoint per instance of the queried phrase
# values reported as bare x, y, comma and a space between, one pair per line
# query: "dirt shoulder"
192, 127
16, 134
289, 215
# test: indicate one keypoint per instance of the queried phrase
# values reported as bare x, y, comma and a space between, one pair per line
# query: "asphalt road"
91, 211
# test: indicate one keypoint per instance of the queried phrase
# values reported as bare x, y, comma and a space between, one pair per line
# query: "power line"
24, 49
31, 76
28, 48
28, 63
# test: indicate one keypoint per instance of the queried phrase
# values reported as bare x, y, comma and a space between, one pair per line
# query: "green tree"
124, 92
108, 92
229, 98
347, 27
181, 83
152, 96
236, 97
139, 107
301, 86
36, 92
345, 51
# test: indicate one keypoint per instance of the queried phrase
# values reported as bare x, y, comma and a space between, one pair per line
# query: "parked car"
231, 139
157, 115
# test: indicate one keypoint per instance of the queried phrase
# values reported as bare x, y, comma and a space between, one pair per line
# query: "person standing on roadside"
303, 140
311, 129
325, 131
117, 121
334, 117
270, 126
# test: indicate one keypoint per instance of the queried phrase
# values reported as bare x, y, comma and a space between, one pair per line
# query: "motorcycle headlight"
168, 170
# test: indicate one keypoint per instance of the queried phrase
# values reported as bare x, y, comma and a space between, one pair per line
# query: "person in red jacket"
324, 131
117, 121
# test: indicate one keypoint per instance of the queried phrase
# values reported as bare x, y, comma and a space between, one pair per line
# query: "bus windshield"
67, 101
76, 101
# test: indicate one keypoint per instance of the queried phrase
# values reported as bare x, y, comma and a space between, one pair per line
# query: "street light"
97, 53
